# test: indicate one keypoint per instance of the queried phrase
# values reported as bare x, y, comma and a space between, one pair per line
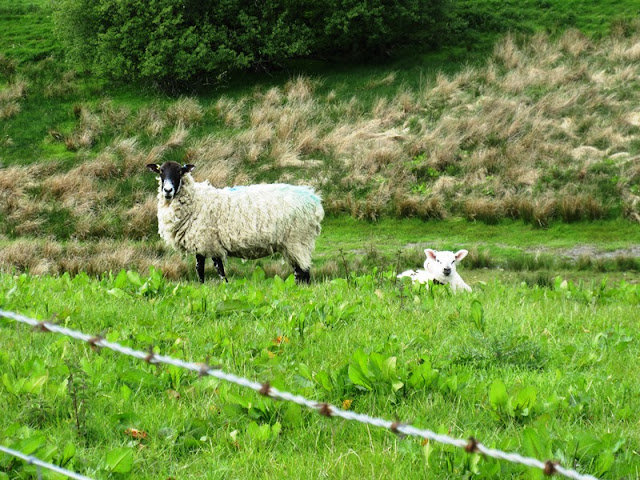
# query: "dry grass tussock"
48, 257
10, 97
186, 111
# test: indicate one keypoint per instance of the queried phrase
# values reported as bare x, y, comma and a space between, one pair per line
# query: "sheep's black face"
171, 174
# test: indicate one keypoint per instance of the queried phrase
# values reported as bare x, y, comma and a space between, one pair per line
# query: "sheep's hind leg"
200, 267
220, 268
302, 276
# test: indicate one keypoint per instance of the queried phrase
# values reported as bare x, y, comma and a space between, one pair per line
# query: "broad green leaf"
121, 280
605, 462
35, 385
68, 453
450, 384
498, 394
526, 398
120, 460
233, 306
324, 381
47, 452
134, 278
389, 368
31, 444
534, 444
293, 414
8, 384
357, 376
305, 371
477, 315
361, 359
397, 385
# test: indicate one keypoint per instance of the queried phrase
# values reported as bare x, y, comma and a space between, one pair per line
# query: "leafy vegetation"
544, 371
192, 41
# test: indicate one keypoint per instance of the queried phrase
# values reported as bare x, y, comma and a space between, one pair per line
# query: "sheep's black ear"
186, 168
153, 168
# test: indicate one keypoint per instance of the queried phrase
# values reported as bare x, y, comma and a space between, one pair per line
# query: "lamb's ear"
431, 254
187, 168
152, 167
460, 254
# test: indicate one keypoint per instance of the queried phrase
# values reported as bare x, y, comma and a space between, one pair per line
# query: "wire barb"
150, 358
324, 409
549, 468
41, 327
94, 341
472, 446
265, 390
395, 428
204, 370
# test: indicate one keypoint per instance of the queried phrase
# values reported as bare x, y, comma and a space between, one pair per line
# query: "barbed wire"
31, 460
470, 446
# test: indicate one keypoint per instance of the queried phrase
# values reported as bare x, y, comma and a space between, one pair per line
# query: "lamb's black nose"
446, 271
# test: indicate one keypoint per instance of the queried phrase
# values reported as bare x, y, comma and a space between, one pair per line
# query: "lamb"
246, 221
440, 267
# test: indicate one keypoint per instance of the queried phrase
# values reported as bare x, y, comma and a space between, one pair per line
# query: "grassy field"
521, 148
548, 372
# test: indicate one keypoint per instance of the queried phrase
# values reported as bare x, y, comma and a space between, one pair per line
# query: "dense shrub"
173, 41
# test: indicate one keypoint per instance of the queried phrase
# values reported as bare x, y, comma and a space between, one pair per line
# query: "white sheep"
440, 267
248, 222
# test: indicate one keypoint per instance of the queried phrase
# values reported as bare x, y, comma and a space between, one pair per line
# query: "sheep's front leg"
200, 267
220, 268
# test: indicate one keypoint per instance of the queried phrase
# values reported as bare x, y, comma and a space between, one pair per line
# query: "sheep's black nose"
446, 271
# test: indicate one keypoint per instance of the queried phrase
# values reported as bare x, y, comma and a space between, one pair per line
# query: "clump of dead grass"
186, 111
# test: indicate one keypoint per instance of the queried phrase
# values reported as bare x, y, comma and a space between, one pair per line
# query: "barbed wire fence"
470, 445
31, 460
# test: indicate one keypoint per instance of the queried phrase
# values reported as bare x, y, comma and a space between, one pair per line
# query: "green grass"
27, 30
547, 372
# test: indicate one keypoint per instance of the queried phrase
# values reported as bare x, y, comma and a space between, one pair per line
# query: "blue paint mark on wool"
299, 190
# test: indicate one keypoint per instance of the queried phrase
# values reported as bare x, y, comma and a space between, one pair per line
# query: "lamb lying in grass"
441, 268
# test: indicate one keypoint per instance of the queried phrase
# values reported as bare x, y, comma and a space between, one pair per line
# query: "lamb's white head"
171, 174
442, 265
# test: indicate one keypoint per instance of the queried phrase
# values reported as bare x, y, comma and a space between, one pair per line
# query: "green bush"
175, 41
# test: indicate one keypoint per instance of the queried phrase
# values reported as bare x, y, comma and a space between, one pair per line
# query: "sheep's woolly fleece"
247, 222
